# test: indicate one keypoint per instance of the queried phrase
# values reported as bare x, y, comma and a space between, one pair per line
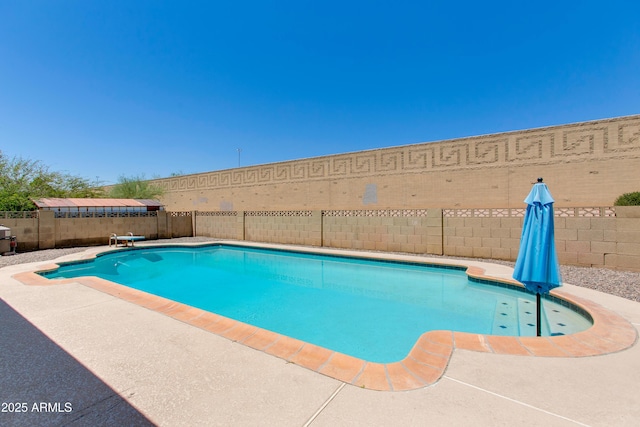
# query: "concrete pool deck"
112, 359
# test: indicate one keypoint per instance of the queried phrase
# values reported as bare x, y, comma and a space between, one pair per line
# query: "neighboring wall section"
24, 225
43, 230
627, 255
584, 164
88, 231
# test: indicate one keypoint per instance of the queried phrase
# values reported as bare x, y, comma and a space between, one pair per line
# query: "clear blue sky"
109, 88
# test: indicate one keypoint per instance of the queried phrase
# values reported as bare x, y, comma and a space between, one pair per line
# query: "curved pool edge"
425, 364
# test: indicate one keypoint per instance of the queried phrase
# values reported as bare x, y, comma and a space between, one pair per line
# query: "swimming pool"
365, 308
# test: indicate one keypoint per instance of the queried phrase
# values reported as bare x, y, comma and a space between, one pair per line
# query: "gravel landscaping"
624, 284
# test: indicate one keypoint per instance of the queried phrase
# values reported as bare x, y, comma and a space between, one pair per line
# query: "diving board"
124, 240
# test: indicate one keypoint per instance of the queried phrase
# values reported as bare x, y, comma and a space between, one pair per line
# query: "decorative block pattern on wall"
588, 163
278, 213
105, 214
520, 212
476, 158
377, 212
217, 213
20, 214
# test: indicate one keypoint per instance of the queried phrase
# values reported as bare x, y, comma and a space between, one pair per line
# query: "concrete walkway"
72, 355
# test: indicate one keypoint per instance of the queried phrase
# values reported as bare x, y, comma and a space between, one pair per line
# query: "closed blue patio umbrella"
537, 263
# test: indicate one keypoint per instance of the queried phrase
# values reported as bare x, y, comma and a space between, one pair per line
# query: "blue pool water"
368, 309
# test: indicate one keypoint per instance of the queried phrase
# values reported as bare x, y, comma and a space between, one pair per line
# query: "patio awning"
96, 204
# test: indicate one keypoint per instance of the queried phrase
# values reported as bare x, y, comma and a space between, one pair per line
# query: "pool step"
503, 319
516, 317
527, 318
554, 321
559, 323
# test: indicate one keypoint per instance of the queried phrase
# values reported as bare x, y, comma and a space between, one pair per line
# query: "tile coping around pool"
424, 365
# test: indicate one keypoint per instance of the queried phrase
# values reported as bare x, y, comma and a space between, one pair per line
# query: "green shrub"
135, 187
22, 180
628, 199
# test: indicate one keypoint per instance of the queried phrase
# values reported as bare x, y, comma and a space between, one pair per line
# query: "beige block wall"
24, 228
599, 239
585, 164
220, 225
288, 227
627, 238
44, 231
96, 231
180, 224
412, 232
584, 236
482, 237
164, 225
416, 231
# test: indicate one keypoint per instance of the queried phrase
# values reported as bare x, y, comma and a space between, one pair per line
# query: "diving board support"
129, 237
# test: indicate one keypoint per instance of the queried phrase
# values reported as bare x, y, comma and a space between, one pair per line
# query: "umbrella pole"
538, 316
